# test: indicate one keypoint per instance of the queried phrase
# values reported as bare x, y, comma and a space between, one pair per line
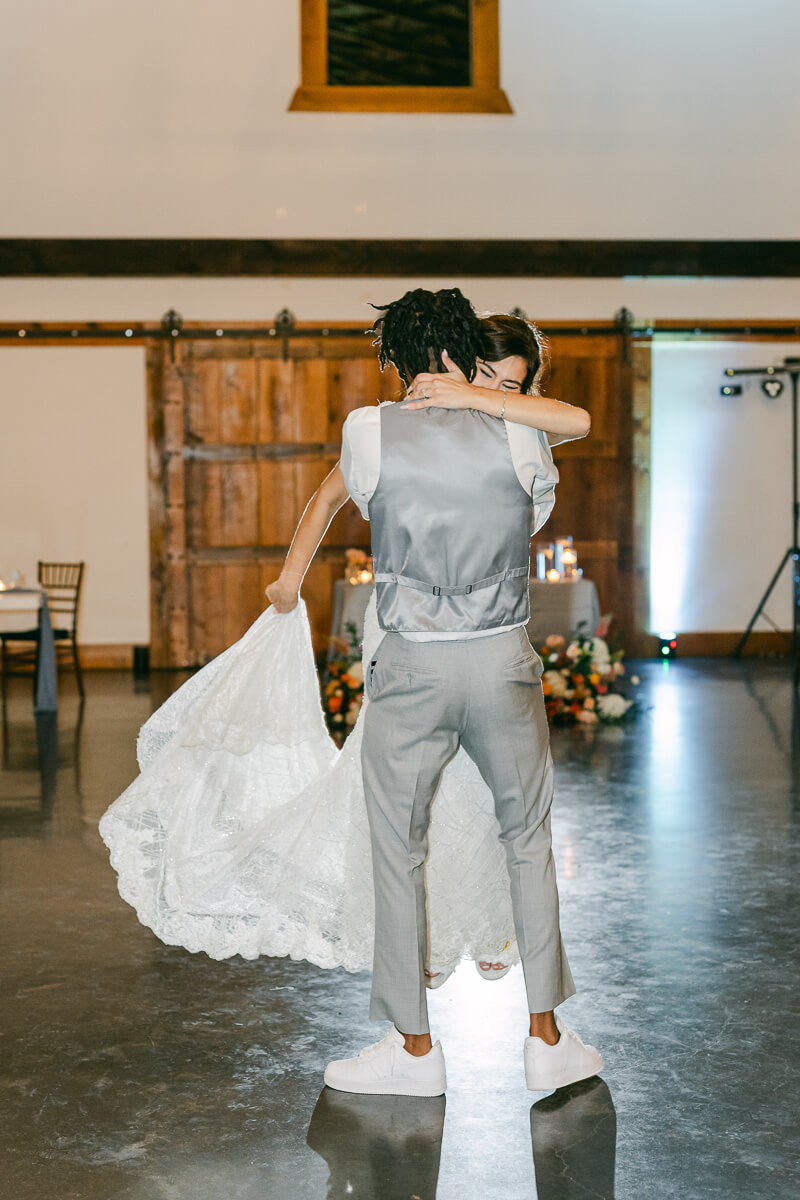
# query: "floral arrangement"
583, 680
343, 685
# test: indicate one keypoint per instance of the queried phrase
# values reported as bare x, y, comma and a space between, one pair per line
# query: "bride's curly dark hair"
414, 330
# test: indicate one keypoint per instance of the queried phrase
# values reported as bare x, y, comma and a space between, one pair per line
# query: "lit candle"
553, 575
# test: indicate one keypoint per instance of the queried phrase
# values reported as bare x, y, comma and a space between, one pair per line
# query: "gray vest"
451, 523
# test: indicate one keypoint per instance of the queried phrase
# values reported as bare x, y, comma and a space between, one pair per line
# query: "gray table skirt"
47, 678
566, 608
46, 687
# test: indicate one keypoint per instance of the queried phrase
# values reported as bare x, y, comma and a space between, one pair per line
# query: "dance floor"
131, 1070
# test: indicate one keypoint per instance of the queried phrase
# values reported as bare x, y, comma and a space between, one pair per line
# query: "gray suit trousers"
425, 700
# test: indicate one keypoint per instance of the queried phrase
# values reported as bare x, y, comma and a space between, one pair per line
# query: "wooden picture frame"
483, 96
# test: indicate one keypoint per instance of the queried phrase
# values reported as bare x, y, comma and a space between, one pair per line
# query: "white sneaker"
548, 1067
387, 1069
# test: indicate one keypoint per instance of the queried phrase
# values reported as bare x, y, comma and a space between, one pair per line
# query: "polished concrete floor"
130, 1070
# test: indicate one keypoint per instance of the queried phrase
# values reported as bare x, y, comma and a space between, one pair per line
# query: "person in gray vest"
451, 526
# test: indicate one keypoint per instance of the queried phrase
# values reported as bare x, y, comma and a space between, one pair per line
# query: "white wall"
73, 478
153, 118
721, 489
259, 300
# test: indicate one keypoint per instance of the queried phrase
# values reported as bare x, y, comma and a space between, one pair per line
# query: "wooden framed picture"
400, 56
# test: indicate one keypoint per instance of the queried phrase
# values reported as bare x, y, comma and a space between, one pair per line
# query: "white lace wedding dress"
246, 830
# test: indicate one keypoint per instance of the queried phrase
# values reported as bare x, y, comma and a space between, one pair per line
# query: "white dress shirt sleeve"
360, 461
536, 471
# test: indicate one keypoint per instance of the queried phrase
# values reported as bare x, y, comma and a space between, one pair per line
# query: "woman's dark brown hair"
503, 335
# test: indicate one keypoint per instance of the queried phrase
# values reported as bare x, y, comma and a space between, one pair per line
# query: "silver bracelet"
503, 409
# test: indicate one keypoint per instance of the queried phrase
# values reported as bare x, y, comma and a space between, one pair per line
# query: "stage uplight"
668, 645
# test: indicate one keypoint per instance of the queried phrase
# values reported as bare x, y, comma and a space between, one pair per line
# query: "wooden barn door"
239, 440
595, 494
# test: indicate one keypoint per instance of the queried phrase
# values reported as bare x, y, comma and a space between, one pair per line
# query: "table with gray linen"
14, 620
568, 607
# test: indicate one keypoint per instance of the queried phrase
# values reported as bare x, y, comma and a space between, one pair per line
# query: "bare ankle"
417, 1043
543, 1025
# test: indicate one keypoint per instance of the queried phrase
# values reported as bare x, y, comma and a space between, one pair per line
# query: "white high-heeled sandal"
438, 978
492, 970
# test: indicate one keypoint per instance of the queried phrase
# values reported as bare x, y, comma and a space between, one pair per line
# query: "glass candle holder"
560, 545
545, 555
569, 558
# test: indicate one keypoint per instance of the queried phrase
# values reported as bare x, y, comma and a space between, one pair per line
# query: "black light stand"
791, 368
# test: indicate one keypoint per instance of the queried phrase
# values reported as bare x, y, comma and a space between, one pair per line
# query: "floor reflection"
33, 753
378, 1146
138, 1071
574, 1137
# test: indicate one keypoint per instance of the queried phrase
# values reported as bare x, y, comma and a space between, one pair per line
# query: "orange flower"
335, 703
594, 678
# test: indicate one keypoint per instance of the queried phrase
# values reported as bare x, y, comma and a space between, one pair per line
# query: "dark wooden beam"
309, 257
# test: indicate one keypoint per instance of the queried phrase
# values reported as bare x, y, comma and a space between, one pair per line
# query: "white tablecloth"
567, 607
26, 608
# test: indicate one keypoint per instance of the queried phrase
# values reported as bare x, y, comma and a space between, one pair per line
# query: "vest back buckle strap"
421, 585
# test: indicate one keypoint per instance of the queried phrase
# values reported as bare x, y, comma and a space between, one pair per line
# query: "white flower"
601, 659
356, 670
601, 663
555, 680
612, 706
573, 650
635, 679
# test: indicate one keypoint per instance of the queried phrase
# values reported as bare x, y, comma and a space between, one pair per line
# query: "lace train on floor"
246, 830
